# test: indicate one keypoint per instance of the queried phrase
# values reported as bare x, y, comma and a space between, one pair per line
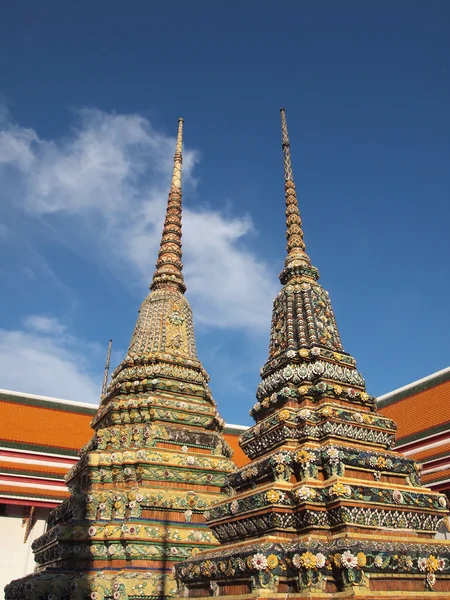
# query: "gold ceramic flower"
362, 559
337, 560
339, 489
283, 415
273, 496
308, 560
303, 456
432, 564
272, 561
304, 353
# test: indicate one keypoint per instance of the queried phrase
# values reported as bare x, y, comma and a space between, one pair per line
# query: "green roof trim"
414, 388
443, 476
233, 430
45, 496
418, 435
17, 445
434, 457
48, 404
34, 473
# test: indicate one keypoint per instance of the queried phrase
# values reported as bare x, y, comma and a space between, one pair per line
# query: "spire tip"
168, 273
296, 253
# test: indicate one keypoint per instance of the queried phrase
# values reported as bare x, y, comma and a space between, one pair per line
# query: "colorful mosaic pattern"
157, 460
315, 512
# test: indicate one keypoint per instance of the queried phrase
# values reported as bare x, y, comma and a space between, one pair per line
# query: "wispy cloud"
42, 358
103, 189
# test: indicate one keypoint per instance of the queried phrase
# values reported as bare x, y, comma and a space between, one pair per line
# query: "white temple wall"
16, 557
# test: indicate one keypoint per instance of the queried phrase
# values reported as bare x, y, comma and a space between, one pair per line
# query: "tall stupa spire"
156, 461
168, 274
326, 509
296, 251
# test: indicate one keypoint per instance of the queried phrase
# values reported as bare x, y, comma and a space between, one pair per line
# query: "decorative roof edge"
414, 388
74, 407
47, 450
42, 401
234, 429
422, 435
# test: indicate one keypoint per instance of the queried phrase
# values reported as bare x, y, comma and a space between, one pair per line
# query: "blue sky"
91, 93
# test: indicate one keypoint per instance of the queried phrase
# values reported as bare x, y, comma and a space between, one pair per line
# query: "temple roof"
421, 410
41, 443
44, 424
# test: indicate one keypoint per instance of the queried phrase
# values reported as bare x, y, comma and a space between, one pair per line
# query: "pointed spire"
106, 373
168, 273
296, 253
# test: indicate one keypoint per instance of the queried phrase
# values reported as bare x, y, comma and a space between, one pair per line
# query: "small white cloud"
44, 325
38, 360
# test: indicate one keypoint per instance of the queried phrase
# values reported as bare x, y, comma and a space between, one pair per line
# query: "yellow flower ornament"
272, 561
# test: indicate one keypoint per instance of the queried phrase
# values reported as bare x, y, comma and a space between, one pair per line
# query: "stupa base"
342, 568
367, 595
100, 585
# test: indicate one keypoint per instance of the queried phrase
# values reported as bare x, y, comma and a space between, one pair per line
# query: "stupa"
156, 461
325, 509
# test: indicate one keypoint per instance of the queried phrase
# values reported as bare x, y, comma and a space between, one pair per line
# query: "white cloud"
39, 359
108, 181
44, 325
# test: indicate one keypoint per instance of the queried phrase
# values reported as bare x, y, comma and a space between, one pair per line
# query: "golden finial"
296, 256
168, 273
178, 158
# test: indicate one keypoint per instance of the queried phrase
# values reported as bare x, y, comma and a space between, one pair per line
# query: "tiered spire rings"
296, 252
325, 509
168, 274
156, 460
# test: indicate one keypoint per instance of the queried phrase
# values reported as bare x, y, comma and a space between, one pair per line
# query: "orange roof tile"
430, 453
239, 457
11, 490
6, 466
65, 429
436, 476
43, 426
420, 411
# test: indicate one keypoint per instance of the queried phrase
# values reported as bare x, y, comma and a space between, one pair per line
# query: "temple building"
325, 508
156, 461
421, 410
311, 501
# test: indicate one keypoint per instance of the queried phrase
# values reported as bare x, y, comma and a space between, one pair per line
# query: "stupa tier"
325, 509
156, 461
